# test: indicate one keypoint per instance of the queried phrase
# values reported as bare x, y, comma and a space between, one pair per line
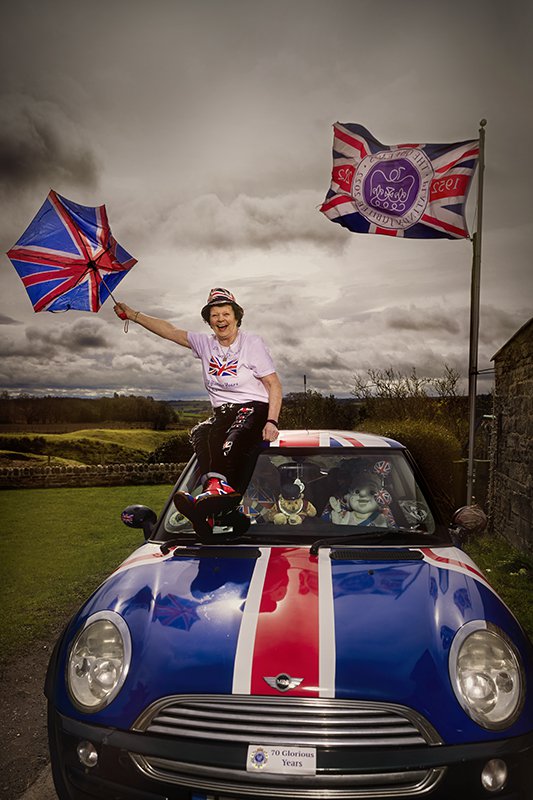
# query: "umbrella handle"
108, 289
122, 315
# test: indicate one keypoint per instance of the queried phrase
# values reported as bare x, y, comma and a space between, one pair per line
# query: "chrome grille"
313, 722
226, 783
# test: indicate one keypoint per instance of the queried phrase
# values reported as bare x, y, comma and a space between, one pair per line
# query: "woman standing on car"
243, 388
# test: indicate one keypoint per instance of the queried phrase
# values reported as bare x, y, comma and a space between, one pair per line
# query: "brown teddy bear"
291, 507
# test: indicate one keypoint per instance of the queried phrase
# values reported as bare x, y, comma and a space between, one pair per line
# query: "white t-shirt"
231, 375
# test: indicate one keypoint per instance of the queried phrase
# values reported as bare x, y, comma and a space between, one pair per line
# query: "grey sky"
205, 128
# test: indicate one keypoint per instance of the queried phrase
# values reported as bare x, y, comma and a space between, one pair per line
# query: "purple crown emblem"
392, 186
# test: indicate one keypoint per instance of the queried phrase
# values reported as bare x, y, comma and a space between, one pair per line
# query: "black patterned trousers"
227, 444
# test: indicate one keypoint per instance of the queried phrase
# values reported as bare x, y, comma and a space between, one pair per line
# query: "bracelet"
134, 318
273, 422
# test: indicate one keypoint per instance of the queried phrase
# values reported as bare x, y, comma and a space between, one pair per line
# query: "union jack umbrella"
68, 258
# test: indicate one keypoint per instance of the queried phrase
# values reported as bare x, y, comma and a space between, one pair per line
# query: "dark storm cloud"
499, 326
8, 350
39, 144
208, 222
323, 367
82, 335
89, 340
34, 344
331, 360
5, 320
313, 364
416, 319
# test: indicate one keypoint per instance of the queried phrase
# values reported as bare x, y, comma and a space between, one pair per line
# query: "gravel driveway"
24, 752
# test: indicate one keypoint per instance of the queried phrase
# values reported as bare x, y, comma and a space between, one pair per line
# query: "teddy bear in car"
291, 507
362, 504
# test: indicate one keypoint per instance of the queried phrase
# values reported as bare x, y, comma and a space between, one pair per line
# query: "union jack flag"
178, 612
222, 368
382, 467
416, 191
382, 497
68, 258
256, 500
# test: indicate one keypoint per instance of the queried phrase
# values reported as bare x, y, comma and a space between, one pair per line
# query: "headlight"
486, 675
98, 661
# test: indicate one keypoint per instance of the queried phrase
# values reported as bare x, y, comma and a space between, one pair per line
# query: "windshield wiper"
355, 538
220, 540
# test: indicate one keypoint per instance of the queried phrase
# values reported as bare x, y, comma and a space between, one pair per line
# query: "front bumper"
134, 765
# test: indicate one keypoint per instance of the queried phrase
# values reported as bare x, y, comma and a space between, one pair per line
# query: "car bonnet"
363, 624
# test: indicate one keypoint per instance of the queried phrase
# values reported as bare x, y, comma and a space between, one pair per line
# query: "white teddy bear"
359, 506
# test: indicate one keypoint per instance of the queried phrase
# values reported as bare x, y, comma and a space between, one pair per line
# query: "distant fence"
98, 475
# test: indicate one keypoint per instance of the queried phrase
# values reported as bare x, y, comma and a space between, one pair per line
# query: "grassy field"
9, 458
509, 572
56, 546
90, 446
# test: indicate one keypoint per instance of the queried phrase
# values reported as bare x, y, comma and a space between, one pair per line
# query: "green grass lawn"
56, 546
509, 572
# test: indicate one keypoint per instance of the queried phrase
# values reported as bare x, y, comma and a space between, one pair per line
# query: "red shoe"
215, 487
217, 497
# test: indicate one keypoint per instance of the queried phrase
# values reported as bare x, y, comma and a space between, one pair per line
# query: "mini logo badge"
283, 682
391, 187
258, 758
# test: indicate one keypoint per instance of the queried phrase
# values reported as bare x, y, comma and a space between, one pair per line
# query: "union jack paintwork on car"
324, 438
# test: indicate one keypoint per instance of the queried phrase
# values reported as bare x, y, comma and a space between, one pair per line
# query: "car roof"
327, 438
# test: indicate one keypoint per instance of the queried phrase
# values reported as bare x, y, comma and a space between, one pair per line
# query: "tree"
311, 409
389, 394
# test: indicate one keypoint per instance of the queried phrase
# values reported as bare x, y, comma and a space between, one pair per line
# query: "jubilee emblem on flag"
416, 191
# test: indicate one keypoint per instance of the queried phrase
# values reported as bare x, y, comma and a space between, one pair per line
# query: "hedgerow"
434, 448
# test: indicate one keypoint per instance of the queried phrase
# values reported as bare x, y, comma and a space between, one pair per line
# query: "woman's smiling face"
223, 322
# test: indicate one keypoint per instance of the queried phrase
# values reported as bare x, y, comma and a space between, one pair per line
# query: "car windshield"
301, 496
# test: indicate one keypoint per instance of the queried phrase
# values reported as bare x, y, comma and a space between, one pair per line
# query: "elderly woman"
244, 390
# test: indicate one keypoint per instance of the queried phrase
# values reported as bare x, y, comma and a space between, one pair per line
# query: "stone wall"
511, 481
109, 475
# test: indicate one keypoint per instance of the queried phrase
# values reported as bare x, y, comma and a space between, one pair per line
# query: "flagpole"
474, 318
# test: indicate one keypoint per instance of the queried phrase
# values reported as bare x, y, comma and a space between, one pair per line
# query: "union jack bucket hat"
221, 297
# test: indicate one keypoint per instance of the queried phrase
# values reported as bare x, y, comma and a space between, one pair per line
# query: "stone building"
511, 481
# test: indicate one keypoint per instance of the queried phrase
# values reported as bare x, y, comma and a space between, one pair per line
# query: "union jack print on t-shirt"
222, 368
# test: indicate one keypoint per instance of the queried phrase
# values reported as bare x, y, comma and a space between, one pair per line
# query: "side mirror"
139, 517
469, 520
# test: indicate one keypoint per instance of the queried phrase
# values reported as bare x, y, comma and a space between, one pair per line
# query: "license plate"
281, 759
278, 760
